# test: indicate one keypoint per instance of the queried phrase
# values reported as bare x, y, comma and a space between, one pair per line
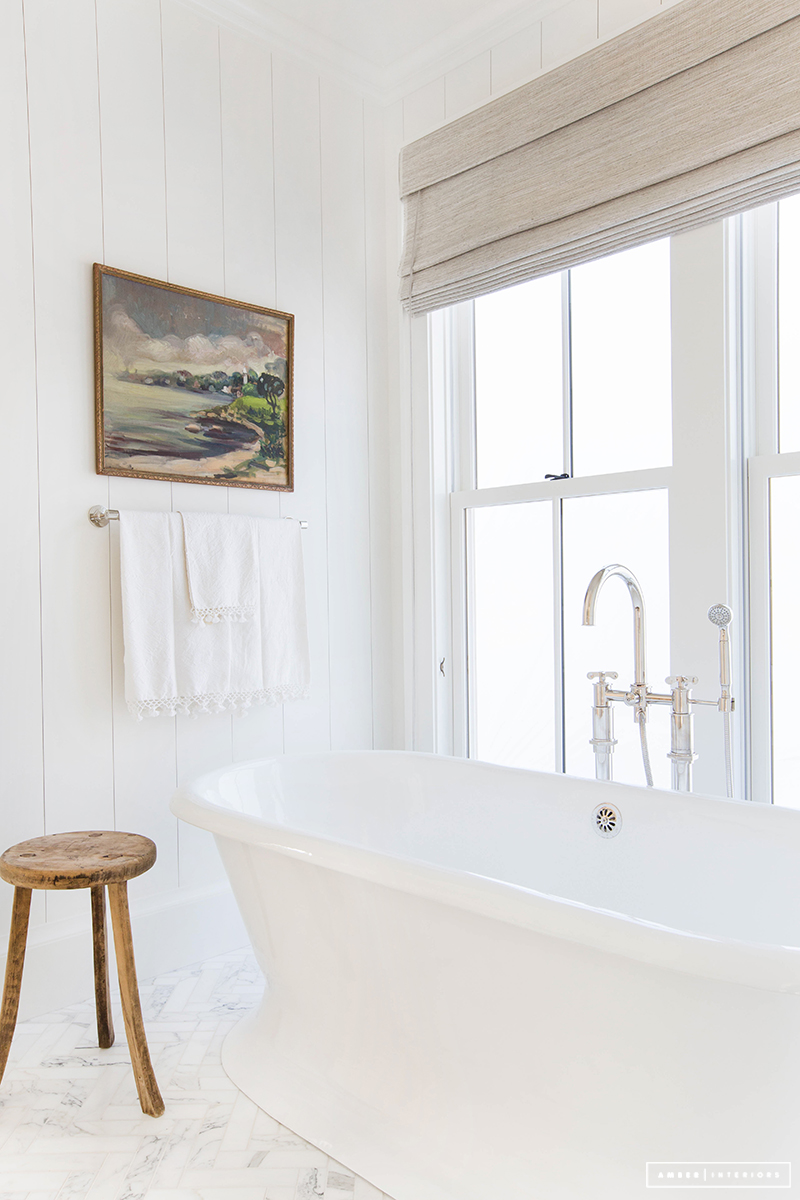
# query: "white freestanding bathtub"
475, 995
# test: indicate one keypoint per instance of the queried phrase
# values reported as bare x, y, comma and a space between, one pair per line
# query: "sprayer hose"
648, 774
726, 725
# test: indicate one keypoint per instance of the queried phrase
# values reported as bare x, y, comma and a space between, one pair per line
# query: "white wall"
149, 136
143, 135
567, 31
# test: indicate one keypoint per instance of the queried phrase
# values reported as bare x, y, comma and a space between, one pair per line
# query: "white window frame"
764, 463
706, 476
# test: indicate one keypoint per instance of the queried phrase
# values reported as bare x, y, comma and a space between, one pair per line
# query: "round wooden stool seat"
77, 860
101, 861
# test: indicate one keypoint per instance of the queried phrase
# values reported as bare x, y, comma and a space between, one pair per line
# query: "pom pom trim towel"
173, 663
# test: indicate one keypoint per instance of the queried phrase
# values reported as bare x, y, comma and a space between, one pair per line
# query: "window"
593, 376
663, 386
572, 378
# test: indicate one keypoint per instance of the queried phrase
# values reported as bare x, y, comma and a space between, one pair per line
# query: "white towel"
172, 663
221, 566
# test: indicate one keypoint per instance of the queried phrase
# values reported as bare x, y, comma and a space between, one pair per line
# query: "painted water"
145, 419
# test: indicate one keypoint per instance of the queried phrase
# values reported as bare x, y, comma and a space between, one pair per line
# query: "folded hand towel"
221, 566
172, 663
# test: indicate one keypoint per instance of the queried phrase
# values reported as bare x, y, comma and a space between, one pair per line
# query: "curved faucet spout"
637, 599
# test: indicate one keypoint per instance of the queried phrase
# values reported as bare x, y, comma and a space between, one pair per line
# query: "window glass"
597, 370
511, 663
621, 361
631, 529
789, 323
785, 579
518, 383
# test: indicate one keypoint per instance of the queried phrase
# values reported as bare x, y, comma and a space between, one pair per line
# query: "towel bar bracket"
100, 516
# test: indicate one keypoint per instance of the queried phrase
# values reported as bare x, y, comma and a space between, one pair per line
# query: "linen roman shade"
691, 116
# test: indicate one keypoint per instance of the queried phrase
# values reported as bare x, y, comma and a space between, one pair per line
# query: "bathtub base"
316, 1110
617, 1065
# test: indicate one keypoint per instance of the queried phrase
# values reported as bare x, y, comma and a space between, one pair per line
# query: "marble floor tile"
71, 1127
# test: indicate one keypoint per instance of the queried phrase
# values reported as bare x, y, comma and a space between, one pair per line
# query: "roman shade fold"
691, 116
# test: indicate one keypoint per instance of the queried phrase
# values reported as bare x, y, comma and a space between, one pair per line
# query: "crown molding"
299, 40
458, 45
381, 84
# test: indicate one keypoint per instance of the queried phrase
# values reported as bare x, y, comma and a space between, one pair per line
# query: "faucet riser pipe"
603, 741
681, 755
681, 776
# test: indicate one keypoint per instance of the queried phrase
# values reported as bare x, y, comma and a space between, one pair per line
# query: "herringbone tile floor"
71, 1127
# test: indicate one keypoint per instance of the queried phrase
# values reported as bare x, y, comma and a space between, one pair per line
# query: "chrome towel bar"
100, 516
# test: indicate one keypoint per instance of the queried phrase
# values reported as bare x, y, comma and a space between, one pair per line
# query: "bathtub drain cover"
607, 820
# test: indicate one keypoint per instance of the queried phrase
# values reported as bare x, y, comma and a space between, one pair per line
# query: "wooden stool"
96, 860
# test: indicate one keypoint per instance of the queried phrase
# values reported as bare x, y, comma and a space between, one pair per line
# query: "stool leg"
16, 957
102, 995
146, 1086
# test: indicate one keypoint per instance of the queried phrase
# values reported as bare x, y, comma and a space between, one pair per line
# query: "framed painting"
191, 387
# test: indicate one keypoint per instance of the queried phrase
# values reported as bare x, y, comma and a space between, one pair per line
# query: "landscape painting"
189, 386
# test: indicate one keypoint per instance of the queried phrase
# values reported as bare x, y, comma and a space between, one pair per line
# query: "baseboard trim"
169, 931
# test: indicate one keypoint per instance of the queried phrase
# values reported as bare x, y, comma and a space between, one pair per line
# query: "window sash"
704, 476
554, 491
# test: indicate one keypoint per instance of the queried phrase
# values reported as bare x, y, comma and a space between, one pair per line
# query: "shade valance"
691, 116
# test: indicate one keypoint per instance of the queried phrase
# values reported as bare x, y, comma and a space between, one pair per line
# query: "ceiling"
384, 32
386, 46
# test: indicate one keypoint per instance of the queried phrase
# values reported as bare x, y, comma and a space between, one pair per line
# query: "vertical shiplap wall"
142, 134
568, 30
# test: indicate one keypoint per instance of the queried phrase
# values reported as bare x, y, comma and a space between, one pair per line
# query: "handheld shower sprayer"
721, 616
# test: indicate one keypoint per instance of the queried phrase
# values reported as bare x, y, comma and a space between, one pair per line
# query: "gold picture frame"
191, 387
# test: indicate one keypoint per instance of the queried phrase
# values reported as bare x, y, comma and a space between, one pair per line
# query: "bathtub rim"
765, 966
